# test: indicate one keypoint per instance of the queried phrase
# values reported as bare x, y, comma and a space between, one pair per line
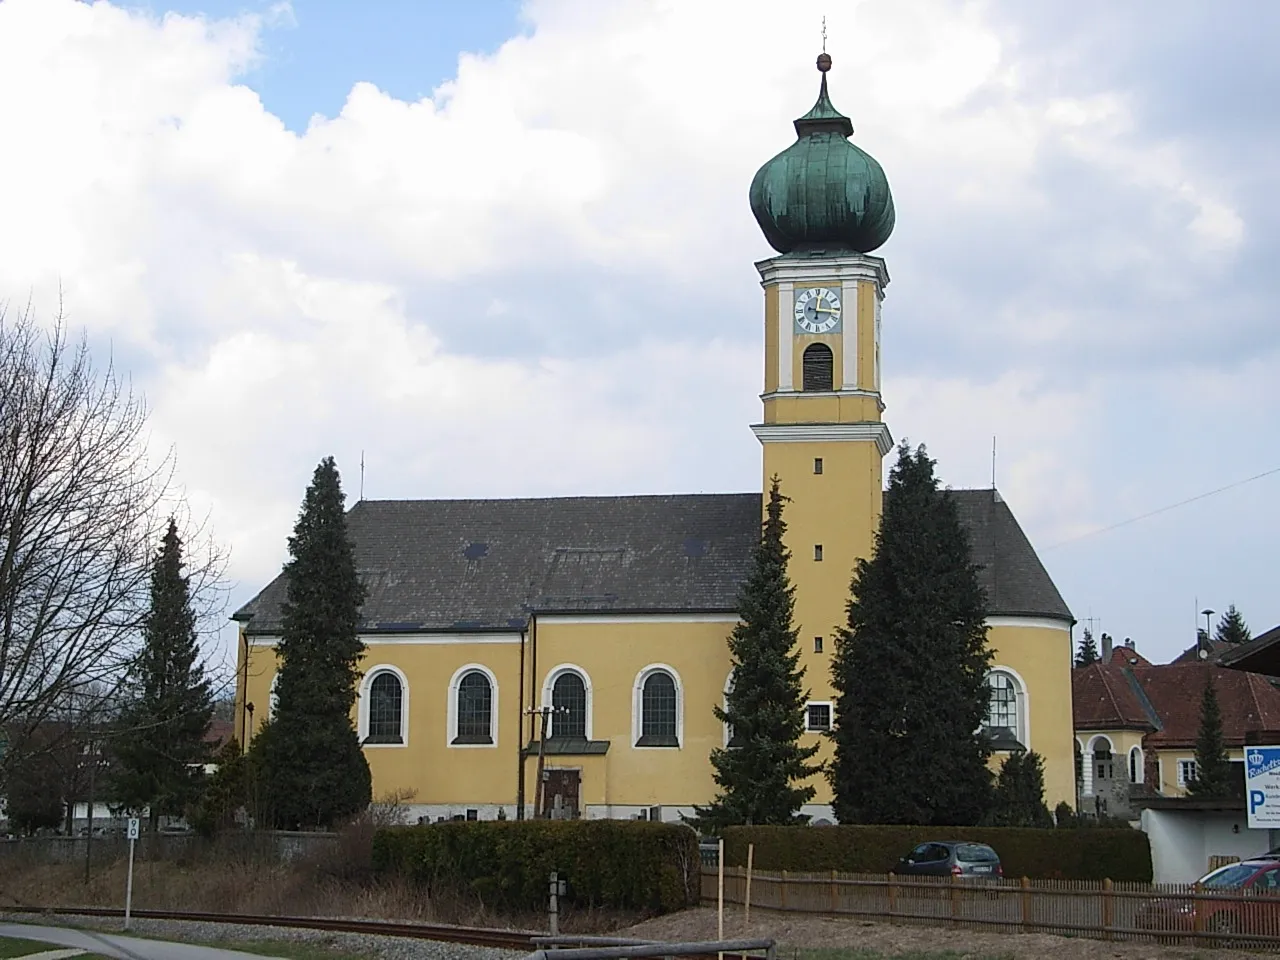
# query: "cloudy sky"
504, 249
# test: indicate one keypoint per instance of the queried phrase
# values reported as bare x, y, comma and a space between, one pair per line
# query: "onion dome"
822, 193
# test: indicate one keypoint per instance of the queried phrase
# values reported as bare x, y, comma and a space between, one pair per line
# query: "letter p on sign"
1256, 799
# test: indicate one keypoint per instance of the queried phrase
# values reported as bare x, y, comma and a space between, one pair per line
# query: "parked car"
1253, 884
951, 858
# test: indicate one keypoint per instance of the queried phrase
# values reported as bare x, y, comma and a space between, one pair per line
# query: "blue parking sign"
1262, 786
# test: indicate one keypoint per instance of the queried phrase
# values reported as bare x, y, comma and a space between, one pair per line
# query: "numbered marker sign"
133, 828
1262, 786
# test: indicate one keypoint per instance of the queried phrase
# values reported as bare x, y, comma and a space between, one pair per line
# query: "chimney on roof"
1128, 642
1106, 648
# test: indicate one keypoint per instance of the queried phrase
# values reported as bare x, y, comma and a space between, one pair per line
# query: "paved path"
122, 947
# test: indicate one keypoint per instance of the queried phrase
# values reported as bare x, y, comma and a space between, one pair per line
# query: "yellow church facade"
603, 621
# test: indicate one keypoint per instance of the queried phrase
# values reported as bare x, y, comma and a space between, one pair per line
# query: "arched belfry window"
818, 366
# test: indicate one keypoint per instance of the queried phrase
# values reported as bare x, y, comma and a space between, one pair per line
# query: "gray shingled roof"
484, 564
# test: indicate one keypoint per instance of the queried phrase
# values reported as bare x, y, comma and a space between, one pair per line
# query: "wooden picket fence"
1165, 913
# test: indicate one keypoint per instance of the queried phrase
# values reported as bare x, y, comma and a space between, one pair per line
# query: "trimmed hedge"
507, 864
1097, 854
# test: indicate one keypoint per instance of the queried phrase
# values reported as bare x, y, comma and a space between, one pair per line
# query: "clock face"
817, 310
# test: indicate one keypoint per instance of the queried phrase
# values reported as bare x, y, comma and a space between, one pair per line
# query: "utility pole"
545, 711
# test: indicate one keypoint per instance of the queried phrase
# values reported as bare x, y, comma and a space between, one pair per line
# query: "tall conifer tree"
161, 750
910, 666
757, 776
314, 772
1232, 628
1088, 650
1213, 766
1019, 793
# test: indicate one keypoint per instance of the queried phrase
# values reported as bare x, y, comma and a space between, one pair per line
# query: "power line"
1172, 506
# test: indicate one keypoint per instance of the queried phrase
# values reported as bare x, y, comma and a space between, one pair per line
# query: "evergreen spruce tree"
225, 792
910, 667
1232, 628
314, 773
1088, 652
1019, 793
161, 750
1213, 768
765, 707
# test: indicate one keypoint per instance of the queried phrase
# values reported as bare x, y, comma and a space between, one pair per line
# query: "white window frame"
831, 716
637, 705
548, 684
272, 698
1137, 763
362, 712
1182, 771
451, 726
1021, 703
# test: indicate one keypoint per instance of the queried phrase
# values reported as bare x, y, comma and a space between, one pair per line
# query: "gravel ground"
228, 934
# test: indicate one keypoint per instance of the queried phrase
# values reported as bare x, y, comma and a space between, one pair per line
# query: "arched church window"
569, 698
659, 710
1006, 711
386, 709
475, 709
818, 367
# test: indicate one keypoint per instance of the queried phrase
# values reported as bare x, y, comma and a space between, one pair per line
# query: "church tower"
824, 205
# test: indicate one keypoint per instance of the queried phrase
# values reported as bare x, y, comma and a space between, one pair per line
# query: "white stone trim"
849, 344
391, 639
1039, 623
825, 269
842, 392
1093, 742
1022, 703
1139, 768
273, 698
637, 692
871, 430
362, 711
451, 727
786, 337
606, 618
831, 716
549, 681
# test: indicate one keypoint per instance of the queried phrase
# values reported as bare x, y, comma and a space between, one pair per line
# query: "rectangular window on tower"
817, 465
817, 644
817, 551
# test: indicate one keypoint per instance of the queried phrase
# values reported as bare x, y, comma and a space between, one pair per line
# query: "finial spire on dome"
824, 115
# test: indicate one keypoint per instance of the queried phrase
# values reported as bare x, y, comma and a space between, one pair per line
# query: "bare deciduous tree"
82, 510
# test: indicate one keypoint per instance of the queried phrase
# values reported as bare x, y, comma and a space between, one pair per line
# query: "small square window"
473, 814
817, 551
817, 717
817, 644
1186, 772
817, 465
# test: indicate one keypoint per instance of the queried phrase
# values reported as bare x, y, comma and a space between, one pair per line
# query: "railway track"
472, 936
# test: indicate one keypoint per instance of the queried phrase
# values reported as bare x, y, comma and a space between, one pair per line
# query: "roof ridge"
560, 499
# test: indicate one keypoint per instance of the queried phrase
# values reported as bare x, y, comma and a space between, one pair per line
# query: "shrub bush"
506, 864
1097, 854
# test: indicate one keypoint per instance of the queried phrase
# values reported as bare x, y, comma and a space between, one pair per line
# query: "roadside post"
559, 888
128, 884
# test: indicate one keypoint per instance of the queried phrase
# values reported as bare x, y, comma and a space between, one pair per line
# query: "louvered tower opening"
818, 364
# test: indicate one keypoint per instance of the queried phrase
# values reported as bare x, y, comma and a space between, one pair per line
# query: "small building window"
386, 708
818, 366
658, 711
1103, 764
1186, 772
817, 644
569, 700
475, 709
1135, 765
817, 717
473, 814
817, 551
817, 465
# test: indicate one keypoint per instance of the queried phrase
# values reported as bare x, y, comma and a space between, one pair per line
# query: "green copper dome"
822, 193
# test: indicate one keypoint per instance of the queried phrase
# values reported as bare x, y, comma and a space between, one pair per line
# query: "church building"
615, 611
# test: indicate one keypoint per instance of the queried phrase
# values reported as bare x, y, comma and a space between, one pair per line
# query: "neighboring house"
1137, 722
615, 611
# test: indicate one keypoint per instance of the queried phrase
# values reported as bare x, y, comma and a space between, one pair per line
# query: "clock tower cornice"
824, 268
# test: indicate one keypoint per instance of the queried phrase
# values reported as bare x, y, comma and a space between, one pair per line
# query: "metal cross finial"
824, 34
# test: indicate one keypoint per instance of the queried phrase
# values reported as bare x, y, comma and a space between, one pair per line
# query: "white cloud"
345, 289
